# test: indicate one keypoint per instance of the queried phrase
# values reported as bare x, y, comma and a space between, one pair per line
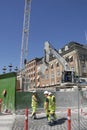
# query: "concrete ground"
41, 122
16, 121
6, 121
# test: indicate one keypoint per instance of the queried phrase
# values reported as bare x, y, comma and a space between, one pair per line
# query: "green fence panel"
8, 84
23, 100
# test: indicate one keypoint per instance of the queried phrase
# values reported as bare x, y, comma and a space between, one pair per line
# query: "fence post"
26, 119
69, 119
81, 111
0, 104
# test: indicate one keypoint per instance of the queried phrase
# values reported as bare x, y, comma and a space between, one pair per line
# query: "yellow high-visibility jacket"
34, 101
52, 103
46, 103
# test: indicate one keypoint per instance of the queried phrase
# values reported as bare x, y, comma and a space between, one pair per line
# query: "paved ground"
16, 122
6, 121
41, 122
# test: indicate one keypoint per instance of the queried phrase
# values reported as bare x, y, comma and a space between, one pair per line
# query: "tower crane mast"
24, 46
25, 34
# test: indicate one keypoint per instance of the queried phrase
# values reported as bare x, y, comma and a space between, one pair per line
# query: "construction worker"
46, 105
34, 105
52, 108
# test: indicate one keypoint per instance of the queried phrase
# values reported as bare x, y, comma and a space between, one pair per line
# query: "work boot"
31, 116
35, 117
51, 123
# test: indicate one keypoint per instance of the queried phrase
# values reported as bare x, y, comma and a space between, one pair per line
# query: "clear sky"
58, 21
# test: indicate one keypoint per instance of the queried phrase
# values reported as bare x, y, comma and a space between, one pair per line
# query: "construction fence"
13, 100
71, 109
7, 91
64, 99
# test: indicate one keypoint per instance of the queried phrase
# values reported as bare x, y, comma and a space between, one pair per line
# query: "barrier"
69, 119
26, 119
0, 104
7, 91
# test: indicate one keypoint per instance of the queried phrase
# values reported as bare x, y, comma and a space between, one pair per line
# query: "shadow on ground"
58, 122
61, 121
39, 118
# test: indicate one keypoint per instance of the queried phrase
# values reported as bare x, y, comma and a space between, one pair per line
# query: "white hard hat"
34, 91
46, 92
49, 93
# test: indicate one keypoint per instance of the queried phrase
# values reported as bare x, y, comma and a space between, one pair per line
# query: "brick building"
39, 76
31, 70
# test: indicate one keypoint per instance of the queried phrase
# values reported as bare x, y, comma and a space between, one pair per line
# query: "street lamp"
10, 67
4, 69
16, 69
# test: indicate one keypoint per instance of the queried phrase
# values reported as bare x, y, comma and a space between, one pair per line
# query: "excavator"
68, 75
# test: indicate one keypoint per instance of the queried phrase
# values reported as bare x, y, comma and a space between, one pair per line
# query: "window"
57, 64
38, 80
70, 58
83, 68
58, 73
46, 76
67, 59
51, 66
52, 75
46, 69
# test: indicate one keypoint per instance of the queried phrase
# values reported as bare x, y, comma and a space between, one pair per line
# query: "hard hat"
49, 93
34, 91
46, 92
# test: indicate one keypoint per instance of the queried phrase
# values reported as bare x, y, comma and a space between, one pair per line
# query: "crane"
68, 74
25, 36
49, 49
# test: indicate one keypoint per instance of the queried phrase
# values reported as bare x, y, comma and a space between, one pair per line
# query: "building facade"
41, 75
31, 70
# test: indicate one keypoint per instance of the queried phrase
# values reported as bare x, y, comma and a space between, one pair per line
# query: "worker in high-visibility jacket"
52, 107
34, 105
46, 105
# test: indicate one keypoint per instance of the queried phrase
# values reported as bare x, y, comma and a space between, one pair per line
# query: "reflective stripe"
52, 104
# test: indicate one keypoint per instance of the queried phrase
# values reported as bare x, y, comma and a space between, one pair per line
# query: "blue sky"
58, 21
